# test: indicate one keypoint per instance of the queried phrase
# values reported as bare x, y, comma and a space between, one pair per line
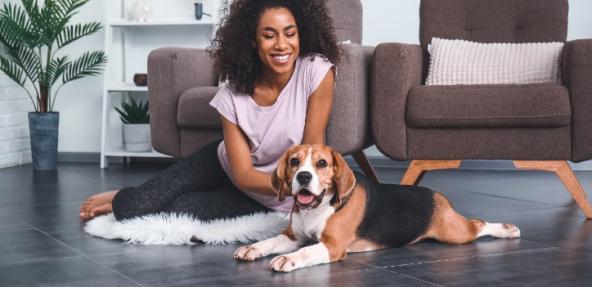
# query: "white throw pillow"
460, 62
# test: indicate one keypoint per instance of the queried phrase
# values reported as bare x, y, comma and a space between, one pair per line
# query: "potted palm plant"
136, 126
31, 36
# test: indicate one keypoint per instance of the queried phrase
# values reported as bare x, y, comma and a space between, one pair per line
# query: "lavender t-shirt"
270, 130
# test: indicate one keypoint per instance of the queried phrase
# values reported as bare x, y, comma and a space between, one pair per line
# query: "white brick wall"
14, 128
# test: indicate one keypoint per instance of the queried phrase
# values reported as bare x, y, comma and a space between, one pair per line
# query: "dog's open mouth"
305, 199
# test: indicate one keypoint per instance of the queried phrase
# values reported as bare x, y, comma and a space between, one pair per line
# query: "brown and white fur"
334, 217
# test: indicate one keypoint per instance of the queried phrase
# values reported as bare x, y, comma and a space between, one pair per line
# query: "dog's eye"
294, 162
321, 163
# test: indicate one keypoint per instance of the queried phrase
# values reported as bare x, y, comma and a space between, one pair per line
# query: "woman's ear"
344, 180
278, 179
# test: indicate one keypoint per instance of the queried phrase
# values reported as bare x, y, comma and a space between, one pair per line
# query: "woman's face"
277, 40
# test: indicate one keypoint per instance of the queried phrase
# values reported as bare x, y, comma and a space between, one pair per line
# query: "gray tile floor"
42, 243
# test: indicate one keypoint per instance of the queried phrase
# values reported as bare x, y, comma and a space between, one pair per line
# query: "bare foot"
97, 204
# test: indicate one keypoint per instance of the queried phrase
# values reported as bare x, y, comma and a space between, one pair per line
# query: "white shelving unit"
160, 22
128, 43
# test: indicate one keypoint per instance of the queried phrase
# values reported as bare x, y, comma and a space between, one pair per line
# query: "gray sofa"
182, 82
539, 126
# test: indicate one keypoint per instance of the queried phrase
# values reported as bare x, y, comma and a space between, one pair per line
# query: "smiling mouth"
306, 200
280, 58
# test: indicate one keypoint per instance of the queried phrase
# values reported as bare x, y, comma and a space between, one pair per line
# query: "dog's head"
311, 173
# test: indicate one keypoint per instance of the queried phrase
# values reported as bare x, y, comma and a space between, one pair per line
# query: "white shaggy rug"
179, 229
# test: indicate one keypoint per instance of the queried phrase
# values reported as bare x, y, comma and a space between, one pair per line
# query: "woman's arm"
239, 156
237, 147
319, 110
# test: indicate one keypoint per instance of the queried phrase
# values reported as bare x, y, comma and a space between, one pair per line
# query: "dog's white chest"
309, 224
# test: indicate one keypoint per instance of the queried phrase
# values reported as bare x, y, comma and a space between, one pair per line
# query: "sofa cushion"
494, 21
488, 106
461, 62
194, 111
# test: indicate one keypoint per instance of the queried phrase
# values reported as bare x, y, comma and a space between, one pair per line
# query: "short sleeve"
223, 102
319, 67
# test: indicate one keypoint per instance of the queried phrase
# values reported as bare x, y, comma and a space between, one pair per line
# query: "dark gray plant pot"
43, 129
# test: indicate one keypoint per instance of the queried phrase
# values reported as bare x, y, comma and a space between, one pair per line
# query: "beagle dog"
341, 212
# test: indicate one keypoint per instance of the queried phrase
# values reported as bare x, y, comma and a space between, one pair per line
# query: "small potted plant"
31, 37
136, 126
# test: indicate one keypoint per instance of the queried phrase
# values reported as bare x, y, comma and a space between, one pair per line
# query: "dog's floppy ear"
278, 179
344, 180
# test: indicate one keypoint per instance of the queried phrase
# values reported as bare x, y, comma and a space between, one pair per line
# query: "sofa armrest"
171, 71
577, 76
395, 69
348, 130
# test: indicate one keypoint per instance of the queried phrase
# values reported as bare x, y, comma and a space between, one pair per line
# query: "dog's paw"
511, 231
283, 263
247, 253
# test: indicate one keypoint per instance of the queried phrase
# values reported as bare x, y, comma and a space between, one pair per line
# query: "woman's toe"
101, 209
84, 215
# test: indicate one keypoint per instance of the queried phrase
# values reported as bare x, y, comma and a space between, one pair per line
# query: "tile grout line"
368, 266
525, 212
405, 275
469, 257
449, 259
414, 278
372, 267
79, 252
365, 269
517, 199
39, 260
542, 246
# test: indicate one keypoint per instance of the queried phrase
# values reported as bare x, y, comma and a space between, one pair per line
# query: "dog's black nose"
304, 177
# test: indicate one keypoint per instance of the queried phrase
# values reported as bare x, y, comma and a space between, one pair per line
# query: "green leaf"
36, 21
68, 7
72, 33
12, 71
29, 60
15, 27
50, 20
89, 64
26, 59
122, 115
63, 10
134, 112
56, 69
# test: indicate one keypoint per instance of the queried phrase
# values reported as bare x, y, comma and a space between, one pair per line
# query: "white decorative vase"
136, 137
141, 11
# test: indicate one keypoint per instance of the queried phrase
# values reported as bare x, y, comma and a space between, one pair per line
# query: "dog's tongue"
305, 198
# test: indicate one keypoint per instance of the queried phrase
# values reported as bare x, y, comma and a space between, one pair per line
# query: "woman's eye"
321, 163
291, 35
294, 162
268, 36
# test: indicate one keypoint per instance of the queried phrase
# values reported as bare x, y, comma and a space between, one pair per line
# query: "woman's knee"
126, 204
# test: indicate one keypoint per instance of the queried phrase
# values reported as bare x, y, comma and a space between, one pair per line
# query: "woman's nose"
281, 43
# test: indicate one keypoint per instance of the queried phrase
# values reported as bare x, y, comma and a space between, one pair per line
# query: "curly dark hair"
237, 61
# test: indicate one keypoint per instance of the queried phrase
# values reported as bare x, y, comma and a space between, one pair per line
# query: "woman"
277, 57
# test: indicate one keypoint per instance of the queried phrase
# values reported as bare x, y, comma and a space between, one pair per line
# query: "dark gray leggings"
196, 185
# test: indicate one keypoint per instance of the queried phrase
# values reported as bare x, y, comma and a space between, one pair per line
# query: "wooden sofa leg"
365, 165
417, 168
568, 178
